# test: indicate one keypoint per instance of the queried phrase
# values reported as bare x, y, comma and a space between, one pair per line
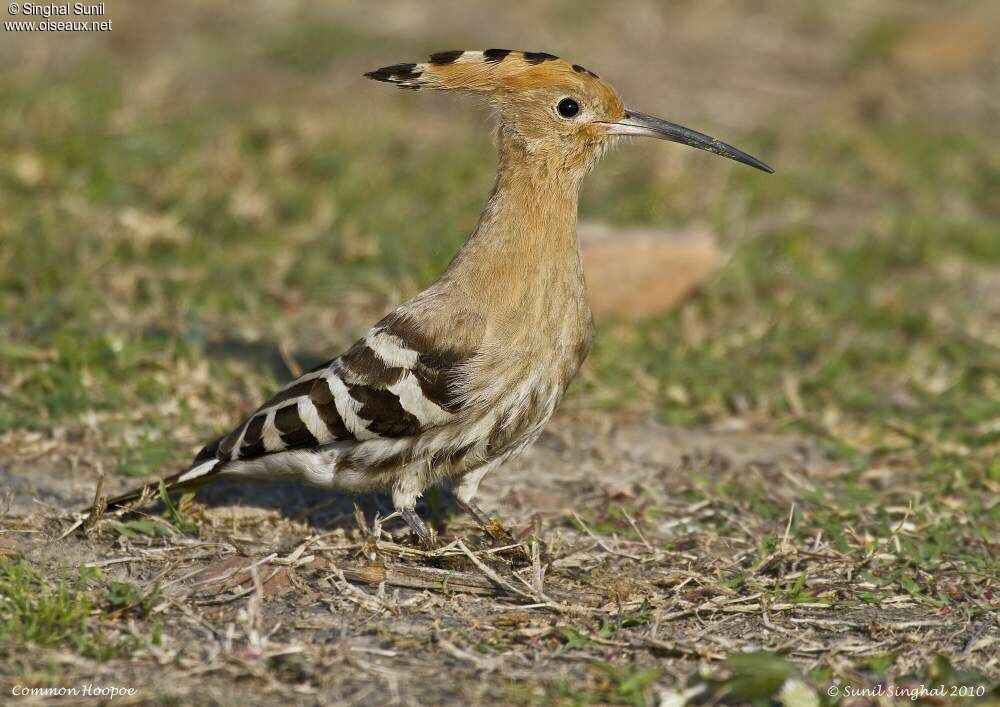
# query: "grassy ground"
209, 194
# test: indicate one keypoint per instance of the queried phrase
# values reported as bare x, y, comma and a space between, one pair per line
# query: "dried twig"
600, 541
497, 579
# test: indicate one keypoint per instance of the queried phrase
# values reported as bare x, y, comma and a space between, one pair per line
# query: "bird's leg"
418, 526
472, 508
405, 493
466, 489
491, 525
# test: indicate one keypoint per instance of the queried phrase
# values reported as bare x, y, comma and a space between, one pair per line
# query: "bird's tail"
180, 481
137, 498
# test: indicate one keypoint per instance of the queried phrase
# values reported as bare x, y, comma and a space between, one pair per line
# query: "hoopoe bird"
465, 375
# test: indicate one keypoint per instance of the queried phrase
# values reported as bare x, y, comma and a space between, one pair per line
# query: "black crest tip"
495, 55
394, 73
538, 57
448, 57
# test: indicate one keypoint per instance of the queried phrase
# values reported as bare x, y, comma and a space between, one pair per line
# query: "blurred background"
211, 194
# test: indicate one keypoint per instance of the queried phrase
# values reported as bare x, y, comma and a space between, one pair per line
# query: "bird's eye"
568, 108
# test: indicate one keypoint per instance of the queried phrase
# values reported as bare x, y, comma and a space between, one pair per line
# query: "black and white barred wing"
384, 387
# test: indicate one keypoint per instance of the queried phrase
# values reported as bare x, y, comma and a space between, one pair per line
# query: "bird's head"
555, 110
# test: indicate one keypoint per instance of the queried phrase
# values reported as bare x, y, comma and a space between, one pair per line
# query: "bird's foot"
419, 528
497, 531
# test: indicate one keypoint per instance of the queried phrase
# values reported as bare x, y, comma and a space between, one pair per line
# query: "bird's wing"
393, 383
398, 381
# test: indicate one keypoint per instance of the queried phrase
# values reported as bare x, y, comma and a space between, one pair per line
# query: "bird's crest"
489, 71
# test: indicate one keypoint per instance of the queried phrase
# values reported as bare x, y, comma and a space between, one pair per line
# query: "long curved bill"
635, 123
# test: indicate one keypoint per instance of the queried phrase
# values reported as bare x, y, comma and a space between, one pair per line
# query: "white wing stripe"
389, 349
310, 418
348, 408
270, 435
413, 400
304, 377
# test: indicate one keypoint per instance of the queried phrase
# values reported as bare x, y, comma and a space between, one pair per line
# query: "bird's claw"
419, 528
497, 531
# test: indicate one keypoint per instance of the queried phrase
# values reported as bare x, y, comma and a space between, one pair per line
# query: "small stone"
28, 169
637, 273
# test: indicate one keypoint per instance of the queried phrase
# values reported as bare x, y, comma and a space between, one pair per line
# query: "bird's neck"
524, 248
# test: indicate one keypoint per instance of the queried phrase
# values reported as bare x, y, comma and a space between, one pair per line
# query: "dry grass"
622, 585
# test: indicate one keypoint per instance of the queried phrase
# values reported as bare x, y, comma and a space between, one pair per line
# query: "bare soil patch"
284, 593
